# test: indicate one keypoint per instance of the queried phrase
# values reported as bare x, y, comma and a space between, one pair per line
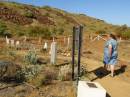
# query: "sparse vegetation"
123, 31
38, 78
61, 31
31, 57
42, 24
3, 29
101, 32
36, 31
29, 14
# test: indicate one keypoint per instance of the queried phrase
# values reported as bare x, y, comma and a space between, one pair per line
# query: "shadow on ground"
107, 95
102, 72
120, 70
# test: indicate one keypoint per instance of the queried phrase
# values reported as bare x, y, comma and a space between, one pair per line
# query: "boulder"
8, 70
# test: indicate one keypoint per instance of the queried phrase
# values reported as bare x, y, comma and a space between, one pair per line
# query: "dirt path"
116, 87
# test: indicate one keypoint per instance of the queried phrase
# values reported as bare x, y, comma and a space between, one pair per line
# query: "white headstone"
91, 37
6, 37
64, 40
7, 41
53, 52
45, 45
68, 43
53, 39
98, 37
12, 43
17, 44
90, 89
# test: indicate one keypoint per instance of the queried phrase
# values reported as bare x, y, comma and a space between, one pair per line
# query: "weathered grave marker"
7, 40
53, 52
45, 46
64, 40
39, 40
17, 44
12, 43
68, 43
53, 39
98, 38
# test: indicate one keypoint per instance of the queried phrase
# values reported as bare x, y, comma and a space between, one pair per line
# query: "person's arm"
110, 50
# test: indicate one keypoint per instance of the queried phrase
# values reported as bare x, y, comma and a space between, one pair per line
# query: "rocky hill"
21, 19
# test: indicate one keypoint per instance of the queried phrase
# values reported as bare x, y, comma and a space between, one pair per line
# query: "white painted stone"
53, 52
86, 91
45, 46
17, 43
64, 40
6, 37
53, 39
7, 41
12, 43
68, 43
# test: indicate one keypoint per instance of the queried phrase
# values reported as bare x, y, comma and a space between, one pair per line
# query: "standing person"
110, 53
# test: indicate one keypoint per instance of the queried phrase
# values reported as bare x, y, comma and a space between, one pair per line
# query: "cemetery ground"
26, 70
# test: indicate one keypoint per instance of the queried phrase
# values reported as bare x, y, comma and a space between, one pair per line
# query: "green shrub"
47, 14
37, 31
31, 57
8, 34
3, 28
46, 7
61, 31
28, 73
126, 34
29, 14
101, 32
20, 33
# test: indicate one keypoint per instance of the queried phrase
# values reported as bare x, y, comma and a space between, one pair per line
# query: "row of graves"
68, 48
61, 46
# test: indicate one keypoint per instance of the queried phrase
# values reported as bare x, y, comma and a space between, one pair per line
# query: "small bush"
3, 28
123, 31
31, 57
126, 34
46, 7
37, 31
28, 73
65, 73
100, 32
50, 74
61, 31
29, 14
9, 35
47, 14
45, 77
